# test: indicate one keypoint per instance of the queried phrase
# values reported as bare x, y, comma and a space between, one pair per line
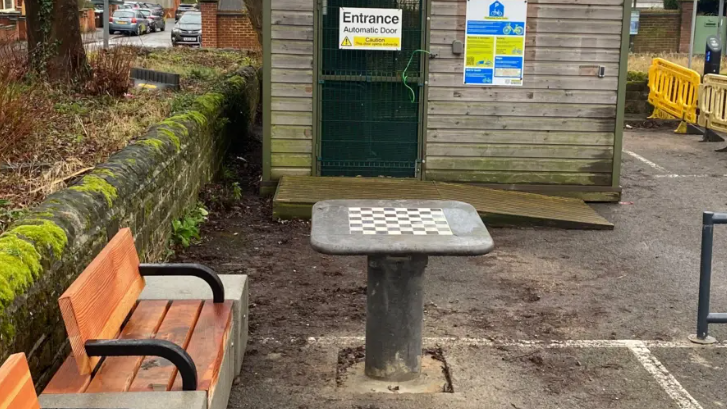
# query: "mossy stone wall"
144, 186
637, 95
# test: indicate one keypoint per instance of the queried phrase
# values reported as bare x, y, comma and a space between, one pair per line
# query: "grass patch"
197, 67
642, 61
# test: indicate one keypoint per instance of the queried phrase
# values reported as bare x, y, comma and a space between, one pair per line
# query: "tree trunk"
55, 47
255, 13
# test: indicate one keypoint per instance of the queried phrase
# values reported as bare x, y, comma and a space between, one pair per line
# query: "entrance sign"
495, 42
370, 29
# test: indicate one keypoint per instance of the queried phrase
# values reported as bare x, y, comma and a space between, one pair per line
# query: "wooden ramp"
297, 194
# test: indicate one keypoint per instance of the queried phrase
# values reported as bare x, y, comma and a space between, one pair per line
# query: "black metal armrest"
148, 347
194, 270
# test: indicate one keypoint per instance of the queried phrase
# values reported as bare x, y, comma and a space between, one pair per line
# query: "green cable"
404, 77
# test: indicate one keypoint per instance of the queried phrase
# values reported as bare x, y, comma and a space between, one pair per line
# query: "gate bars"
704, 317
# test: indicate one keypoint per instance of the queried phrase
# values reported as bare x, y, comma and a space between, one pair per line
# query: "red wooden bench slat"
68, 379
157, 374
98, 302
16, 385
117, 373
207, 346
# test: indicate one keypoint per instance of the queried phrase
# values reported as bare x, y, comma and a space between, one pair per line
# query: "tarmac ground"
550, 319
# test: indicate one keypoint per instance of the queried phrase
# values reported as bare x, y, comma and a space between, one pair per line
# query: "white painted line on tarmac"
664, 378
689, 176
488, 342
646, 161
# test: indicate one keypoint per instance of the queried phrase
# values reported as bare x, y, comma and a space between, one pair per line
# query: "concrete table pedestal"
397, 236
394, 309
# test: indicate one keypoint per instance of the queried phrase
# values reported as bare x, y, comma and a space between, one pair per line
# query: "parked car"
182, 9
161, 20
128, 22
156, 19
188, 31
149, 19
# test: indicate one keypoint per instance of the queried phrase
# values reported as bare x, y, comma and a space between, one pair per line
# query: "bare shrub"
110, 70
14, 59
21, 108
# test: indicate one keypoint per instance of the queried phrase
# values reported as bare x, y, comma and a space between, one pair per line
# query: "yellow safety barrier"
713, 102
673, 90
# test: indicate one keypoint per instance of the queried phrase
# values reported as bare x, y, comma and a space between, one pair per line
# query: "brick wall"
659, 31
209, 23
22, 29
226, 29
87, 20
685, 32
8, 34
12, 28
236, 31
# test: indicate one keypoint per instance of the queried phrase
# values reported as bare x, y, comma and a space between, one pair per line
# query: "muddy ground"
636, 282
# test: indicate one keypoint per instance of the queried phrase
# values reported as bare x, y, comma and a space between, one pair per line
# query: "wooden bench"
125, 345
16, 385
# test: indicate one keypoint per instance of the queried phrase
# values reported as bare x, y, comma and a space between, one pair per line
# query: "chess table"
397, 236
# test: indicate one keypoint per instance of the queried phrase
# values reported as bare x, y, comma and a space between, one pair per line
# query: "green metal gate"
369, 121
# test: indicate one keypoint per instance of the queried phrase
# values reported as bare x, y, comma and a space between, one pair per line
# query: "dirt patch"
348, 357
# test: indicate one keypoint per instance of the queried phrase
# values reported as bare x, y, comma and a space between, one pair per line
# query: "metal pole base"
395, 307
708, 340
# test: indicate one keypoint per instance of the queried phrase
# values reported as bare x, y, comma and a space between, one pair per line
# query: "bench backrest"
16, 385
97, 303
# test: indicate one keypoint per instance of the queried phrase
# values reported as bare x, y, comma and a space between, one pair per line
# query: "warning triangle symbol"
346, 42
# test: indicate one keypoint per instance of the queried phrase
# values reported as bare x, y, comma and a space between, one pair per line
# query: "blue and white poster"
495, 42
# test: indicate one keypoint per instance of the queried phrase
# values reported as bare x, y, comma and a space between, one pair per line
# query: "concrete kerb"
179, 288
132, 400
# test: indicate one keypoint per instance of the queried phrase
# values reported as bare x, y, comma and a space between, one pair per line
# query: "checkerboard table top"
398, 227
398, 221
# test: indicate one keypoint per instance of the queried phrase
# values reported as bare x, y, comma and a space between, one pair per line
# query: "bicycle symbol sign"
508, 29
497, 9
495, 42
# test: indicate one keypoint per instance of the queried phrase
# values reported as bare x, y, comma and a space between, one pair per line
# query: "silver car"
155, 18
128, 21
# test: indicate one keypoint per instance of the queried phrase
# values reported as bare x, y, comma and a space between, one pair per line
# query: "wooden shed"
409, 113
